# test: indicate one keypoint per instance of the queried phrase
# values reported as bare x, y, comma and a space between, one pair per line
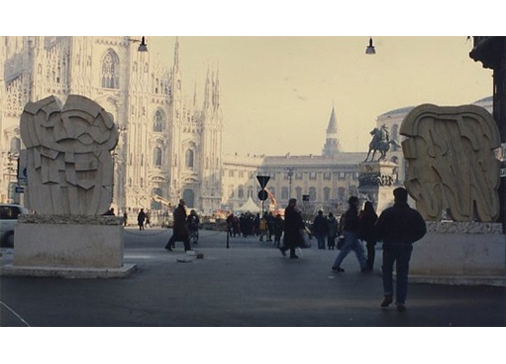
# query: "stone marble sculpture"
69, 164
451, 162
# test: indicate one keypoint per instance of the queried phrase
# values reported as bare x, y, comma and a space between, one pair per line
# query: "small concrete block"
185, 260
199, 255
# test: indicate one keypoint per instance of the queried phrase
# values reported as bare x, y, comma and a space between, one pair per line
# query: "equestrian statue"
380, 143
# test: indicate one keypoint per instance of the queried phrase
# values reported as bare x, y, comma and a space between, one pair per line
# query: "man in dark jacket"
180, 230
320, 229
398, 227
293, 226
351, 242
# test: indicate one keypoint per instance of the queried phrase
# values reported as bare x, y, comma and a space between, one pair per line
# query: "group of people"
249, 224
398, 227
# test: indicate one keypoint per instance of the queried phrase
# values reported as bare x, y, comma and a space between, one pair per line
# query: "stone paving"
249, 284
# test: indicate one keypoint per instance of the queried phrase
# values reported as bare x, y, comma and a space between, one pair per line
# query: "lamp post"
290, 176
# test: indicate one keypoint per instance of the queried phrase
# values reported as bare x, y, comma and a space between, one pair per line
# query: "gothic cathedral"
170, 147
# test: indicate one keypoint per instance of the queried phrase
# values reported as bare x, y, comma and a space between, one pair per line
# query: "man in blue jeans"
398, 227
351, 242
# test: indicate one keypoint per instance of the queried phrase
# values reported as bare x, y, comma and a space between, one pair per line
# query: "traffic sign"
262, 195
263, 180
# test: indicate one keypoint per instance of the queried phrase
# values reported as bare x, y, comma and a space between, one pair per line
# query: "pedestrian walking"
125, 218
180, 230
398, 227
294, 224
140, 219
320, 229
271, 222
332, 229
351, 242
279, 225
366, 221
263, 228
148, 219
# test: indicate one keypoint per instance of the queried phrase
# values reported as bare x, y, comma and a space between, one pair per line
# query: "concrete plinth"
460, 253
68, 246
377, 181
67, 272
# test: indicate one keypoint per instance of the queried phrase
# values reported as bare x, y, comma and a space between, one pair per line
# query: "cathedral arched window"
240, 192
157, 158
159, 121
15, 145
110, 70
189, 158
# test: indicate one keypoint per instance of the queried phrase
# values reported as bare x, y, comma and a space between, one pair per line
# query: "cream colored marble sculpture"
69, 164
451, 162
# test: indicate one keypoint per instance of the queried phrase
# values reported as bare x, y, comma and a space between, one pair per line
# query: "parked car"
8, 218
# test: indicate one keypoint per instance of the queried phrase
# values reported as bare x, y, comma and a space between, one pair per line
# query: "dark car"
8, 218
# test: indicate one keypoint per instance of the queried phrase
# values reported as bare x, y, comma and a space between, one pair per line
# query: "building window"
284, 193
312, 175
15, 145
157, 160
158, 121
241, 174
110, 69
342, 175
340, 193
189, 158
312, 193
298, 193
326, 194
240, 192
298, 175
231, 173
327, 176
250, 192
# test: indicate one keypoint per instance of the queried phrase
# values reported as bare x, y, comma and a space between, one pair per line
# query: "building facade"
169, 147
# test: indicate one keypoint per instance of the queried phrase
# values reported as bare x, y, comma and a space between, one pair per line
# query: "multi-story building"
169, 147
327, 180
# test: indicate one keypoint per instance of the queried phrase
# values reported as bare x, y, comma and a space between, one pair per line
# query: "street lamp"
143, 47
370, 48
290, 176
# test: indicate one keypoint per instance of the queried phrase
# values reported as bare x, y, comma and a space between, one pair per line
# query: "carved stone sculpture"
451, 162
69, 164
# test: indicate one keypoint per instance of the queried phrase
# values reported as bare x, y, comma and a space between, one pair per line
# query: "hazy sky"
277, 93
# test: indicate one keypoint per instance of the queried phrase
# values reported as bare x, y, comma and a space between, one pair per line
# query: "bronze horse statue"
380, 143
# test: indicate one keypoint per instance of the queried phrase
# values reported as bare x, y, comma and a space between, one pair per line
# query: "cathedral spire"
176, 55
207, 94
332, 146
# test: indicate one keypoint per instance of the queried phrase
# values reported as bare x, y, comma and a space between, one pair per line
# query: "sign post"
262, 194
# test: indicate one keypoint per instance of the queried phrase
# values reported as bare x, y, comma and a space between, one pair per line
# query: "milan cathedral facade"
169, 146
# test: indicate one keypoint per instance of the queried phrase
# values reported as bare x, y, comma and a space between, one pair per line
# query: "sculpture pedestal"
460, 253
68, 246
377, 182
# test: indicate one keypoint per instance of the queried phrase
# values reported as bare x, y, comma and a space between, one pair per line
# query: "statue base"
377, 180
68, 246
